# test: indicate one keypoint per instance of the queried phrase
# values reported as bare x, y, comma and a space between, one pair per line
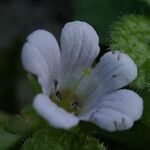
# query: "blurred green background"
20, 17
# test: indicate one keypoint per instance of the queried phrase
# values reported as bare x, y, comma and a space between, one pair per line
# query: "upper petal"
114, 71
55, 115
115, 111
79, 48
41, 57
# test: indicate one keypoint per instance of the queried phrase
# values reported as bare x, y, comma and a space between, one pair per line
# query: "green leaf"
135, 138
4, 118
26, 122
38, 134
146, 114
148, 1
36, 88
57, 139
7, 140
101, 13
132, 35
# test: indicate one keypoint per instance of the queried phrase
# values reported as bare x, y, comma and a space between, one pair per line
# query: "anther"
113, 76
115, 124
57, 92
123, 122
74, 104
58, 95
113, 52
118, 58
55, 83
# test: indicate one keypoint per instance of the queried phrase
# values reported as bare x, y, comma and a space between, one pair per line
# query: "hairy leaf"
56, 139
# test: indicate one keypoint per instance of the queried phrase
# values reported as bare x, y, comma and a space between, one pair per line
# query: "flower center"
66, 98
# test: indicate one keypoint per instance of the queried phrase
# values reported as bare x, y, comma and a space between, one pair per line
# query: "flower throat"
66, 99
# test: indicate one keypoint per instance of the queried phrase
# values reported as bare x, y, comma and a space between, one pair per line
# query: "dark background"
17, 19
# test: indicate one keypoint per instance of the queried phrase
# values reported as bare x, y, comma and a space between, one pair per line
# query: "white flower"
68, 81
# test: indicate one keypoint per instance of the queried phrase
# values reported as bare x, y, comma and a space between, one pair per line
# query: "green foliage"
7, 140
146, 115
37, 134
25, 123
132, 35
36, 88
4, 118
101, 13
148, 1
56, 139
136, 138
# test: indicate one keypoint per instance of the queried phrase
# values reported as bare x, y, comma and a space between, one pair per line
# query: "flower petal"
55, 115
79, 47
115, 111
41, 57
114, 71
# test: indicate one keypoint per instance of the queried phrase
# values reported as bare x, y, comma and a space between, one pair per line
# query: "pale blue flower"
67, 79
